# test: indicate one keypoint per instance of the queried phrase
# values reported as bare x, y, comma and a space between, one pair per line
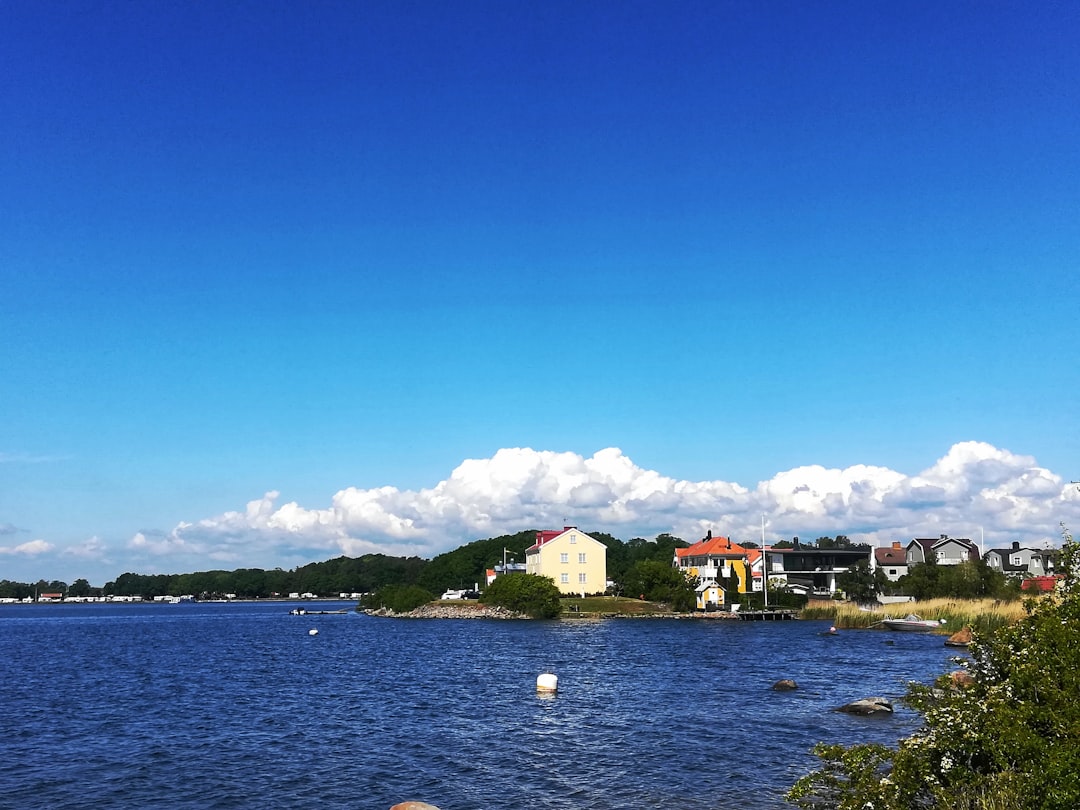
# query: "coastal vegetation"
981, 615
398, 598
1009, 739
536, 597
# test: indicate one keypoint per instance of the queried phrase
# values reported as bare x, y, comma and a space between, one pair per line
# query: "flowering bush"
1010, 741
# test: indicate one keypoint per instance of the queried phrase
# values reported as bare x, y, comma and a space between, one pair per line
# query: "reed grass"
981, 615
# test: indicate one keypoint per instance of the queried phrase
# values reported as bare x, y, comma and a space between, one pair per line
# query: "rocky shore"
446, 610
477, 610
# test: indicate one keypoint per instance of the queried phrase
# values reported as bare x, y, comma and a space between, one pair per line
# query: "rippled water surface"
238, 706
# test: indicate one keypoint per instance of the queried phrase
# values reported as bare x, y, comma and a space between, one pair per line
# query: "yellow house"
713, 561
574, 561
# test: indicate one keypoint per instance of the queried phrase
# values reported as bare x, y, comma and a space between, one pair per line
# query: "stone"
961, 638
414, 806
961, 679
785, 685
867, 706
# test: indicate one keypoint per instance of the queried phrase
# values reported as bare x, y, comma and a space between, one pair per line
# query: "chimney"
896, 545
1016, 545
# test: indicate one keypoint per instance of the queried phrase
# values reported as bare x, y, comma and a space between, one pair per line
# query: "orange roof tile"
715, 547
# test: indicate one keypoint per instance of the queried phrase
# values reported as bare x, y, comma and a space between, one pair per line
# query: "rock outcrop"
867, 706
447, 610
961, 638
961, 679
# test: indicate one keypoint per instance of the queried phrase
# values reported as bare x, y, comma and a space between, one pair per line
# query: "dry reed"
981, 615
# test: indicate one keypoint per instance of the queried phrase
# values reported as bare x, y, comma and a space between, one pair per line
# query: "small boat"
304, 612
912, 624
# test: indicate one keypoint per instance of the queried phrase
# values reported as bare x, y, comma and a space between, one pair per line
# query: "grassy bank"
981, 615
573, 607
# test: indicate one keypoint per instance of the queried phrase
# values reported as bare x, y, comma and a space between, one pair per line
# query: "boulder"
961, 679
414, 806
785, 685
961, 638
867, 706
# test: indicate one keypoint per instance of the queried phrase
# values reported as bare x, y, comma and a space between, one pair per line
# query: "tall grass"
981, 615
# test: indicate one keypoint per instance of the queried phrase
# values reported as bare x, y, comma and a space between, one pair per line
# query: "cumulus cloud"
973, 488
90, 549
33, 548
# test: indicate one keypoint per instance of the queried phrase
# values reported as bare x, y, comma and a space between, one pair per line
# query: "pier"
780, 615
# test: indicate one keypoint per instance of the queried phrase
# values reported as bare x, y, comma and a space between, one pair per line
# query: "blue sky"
335, 250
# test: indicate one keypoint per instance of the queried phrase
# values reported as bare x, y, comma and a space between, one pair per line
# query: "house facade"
574, 561
811, 570
892, 560
1020, 562
944, 550
715, 561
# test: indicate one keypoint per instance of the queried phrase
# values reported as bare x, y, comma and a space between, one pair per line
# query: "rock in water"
785, 685
868, 706
414, 806
961, 679
961, 638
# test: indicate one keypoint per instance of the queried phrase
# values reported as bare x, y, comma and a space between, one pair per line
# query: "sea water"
241, 706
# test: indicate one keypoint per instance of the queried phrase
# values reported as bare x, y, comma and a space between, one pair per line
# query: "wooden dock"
779, 615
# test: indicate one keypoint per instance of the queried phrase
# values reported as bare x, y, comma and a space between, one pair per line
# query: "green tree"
530, 594
860, 584
465, 566
659, 582
80, 587
1011, 740
398, 598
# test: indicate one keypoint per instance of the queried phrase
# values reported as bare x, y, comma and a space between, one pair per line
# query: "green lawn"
598, 605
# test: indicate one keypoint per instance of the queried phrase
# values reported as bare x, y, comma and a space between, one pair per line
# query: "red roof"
1047, 583
547, 536
712, 547
890, 555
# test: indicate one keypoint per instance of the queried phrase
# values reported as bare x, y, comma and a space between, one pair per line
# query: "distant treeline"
463, 567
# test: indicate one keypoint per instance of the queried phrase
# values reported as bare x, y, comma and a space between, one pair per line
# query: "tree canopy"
532, 595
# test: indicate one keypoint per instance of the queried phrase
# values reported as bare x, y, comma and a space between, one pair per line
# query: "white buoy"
547, 682
313, 632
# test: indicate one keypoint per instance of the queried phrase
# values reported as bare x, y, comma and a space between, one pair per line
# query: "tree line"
464, 568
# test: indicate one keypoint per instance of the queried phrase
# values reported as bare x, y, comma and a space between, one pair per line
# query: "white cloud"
973, 486
33, 548
91, 549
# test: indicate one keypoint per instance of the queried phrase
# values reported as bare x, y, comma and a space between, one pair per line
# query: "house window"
573, 539
564, 558
581, 558
581, 579
1015, 560
564, 579
892, 572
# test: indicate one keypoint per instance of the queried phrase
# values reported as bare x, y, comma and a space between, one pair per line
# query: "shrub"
659, 582
1010, 740
530, 594
398, 598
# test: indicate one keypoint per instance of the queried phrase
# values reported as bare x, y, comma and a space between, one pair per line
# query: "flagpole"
764, 564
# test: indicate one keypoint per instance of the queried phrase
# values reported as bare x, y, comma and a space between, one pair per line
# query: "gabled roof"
712, 547
890, 556
929, 544
546, 536
925, 543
